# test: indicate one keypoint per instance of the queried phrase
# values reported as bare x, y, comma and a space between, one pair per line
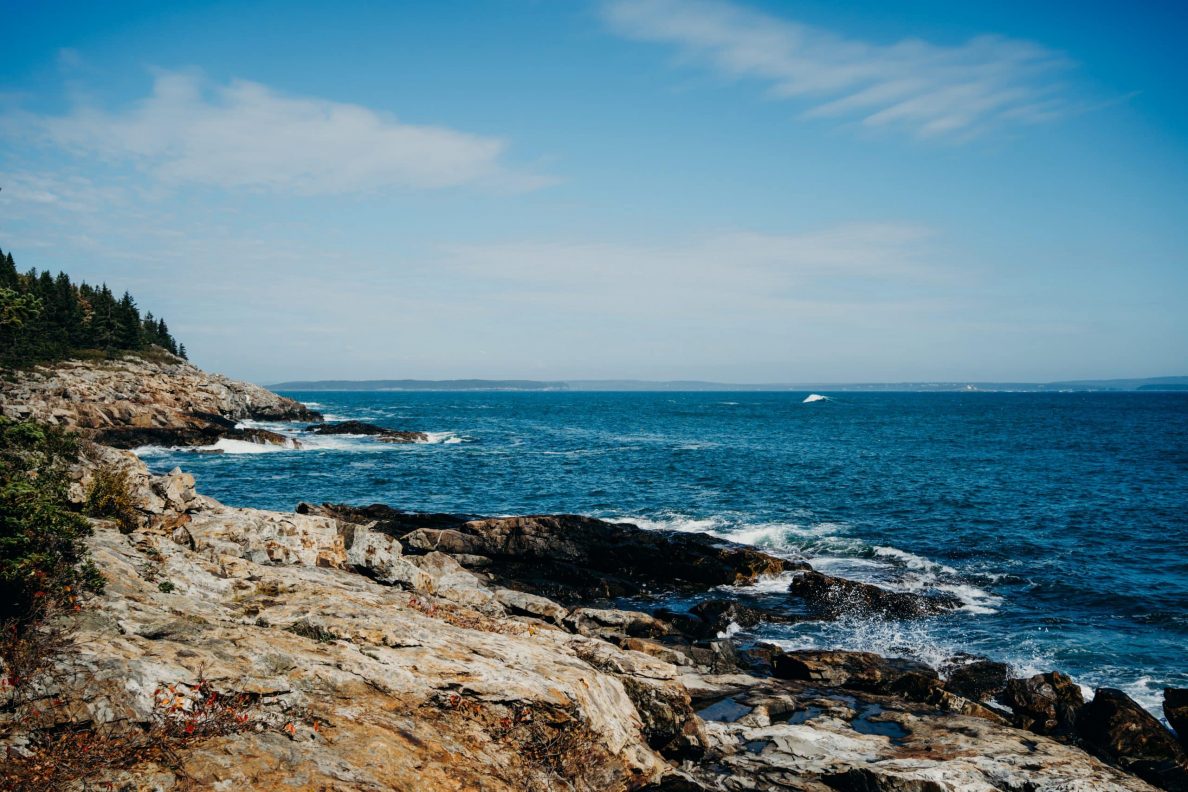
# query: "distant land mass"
1147, 384
418, 385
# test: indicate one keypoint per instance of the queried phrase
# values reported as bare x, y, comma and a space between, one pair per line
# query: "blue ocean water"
1060, 519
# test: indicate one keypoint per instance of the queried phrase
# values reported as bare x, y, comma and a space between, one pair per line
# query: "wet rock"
362, 428
856, 670
1045, 703
1127, 735
833, 597
976, 679
567, 557
721, 618
386, 519
1175, 709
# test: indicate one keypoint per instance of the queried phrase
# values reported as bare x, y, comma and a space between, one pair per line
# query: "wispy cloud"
929, 90
749, 275
245, 135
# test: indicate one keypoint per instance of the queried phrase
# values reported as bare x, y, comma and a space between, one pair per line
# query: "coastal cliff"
138, 400
347, 648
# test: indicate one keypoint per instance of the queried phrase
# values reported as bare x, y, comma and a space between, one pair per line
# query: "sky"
658, 189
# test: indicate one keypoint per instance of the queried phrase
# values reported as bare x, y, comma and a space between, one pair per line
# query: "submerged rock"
362, 428
833, 597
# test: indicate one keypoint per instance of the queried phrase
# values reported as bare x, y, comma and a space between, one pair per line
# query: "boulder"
1175, 709
832, 597
857, 670
1124, 733
976, 679
1045, 703
379, 557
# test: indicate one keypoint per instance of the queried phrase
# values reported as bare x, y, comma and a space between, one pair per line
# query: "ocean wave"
830, 550
446, 438
814, 397
227, 445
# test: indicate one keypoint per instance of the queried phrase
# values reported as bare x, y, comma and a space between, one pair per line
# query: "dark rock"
393, 522
262, 436
1175, 709
856, 670
361, 428
718, 616
569, 557
1124, 733
978, 679
200, 433
1045, 703
134, 437
832, 597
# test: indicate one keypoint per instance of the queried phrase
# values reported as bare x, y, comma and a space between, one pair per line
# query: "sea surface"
1059, 519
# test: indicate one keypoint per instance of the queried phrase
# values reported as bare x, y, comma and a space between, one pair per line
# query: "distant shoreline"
1147, 385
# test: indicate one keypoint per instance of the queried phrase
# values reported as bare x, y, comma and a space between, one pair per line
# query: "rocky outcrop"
357, 665
833, 597
361, 428
570, 557
1116, 727
137, 401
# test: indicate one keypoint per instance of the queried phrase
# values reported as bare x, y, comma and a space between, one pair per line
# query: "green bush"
111, 499
43, 556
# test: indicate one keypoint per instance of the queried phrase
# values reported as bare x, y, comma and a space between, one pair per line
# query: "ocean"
1059, 519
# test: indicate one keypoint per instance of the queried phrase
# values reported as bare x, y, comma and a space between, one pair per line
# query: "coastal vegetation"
43, 558
44, 318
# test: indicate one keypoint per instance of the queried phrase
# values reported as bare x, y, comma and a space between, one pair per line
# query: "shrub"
43, 557
111, 498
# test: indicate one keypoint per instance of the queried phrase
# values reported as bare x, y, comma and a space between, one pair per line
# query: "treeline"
44, 318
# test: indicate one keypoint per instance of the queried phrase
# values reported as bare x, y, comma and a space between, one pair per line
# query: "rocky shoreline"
382, 649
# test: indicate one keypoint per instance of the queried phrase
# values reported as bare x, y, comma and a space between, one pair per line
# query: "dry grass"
111, 498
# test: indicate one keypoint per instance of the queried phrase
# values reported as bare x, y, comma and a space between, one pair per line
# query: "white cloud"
927, 89
245, 135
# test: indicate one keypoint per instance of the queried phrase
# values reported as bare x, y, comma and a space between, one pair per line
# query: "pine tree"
46, 318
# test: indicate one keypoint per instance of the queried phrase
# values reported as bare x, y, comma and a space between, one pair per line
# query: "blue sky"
752, 191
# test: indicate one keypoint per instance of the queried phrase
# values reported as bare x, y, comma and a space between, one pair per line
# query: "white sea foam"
448, 438
150, 451
814, 397
230, 446
911, 560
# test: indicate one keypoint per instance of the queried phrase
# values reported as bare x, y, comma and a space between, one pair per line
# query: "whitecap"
814, 397
446, 438
229, 446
